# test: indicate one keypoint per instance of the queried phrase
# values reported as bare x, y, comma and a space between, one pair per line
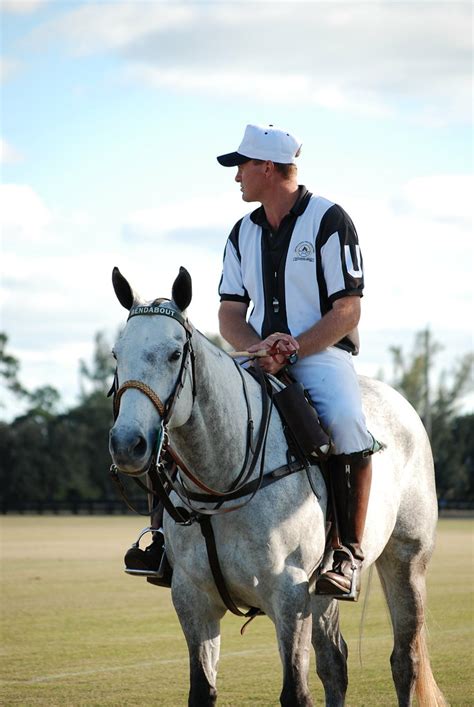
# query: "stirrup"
146, 573
353, 593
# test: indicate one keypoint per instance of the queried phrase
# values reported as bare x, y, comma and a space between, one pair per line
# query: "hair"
287, 171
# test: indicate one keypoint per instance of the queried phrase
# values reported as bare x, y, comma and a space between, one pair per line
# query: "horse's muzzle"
129, 449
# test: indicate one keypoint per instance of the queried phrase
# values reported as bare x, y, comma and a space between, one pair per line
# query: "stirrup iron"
136, 544
353, 593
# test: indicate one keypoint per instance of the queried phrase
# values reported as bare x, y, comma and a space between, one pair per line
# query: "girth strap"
208, 534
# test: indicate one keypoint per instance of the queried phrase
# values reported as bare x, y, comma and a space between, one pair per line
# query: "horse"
271, 543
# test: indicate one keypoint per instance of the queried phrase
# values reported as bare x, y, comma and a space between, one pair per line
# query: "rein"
241, 487
255, 449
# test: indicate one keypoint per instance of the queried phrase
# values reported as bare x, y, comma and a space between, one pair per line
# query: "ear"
182, 291
122, 289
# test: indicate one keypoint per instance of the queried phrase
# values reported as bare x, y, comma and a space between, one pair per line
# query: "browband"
159, 308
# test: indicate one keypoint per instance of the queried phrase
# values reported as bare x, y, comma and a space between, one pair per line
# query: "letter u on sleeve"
342, 261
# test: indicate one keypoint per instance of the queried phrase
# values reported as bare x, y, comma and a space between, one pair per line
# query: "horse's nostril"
127, 445
139, 448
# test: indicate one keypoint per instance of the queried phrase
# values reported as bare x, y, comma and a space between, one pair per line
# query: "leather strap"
280, 473
144, 388
208, 534
220, 497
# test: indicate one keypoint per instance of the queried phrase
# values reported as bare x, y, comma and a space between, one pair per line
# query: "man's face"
250, 176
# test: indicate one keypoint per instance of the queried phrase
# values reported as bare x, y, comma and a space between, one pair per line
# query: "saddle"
306, 438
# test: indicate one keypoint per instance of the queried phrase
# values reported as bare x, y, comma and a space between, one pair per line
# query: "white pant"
331, 381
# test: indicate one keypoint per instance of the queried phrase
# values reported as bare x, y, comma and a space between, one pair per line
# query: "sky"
112, 114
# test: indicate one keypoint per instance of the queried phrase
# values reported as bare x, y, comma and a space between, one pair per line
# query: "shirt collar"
259, 217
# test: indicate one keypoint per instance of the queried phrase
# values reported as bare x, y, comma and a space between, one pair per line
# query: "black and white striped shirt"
293, 276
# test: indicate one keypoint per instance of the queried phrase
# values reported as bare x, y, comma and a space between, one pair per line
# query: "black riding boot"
350, 476
151, 562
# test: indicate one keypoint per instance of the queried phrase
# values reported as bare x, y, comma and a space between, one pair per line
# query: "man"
297, 260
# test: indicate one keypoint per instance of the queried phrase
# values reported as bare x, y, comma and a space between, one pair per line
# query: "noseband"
149, 392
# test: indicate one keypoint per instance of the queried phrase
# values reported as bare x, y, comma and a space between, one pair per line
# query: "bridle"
254, 448
244, 486
165, 410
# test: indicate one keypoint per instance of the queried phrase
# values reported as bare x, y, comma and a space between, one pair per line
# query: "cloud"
418, 259
268, 87
444, 198
418, 262
97, 27
417, 246
24, 216
195, 215
22, 7
372, 57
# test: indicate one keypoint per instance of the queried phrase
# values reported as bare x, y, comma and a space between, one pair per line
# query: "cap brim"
232, 159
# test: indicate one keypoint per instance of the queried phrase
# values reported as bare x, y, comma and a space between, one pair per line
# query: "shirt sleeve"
231, 286
341, 256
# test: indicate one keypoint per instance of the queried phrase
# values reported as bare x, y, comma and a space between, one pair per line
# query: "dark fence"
116, 506
455, 508
103, 506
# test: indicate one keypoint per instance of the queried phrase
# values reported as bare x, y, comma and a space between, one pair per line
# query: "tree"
43, 401
96, 376
46, 456
439, 407
9, 369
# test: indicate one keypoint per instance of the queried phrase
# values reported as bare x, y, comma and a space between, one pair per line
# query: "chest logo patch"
304, 251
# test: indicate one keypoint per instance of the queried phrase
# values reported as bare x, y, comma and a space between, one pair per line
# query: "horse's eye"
175, 355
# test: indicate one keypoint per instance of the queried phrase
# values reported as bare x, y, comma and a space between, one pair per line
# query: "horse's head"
154, 380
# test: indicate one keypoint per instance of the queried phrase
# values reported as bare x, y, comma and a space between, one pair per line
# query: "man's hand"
279, 347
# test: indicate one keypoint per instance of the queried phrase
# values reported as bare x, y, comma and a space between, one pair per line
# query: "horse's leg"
330, 649
200, 621
402, 571
292, 618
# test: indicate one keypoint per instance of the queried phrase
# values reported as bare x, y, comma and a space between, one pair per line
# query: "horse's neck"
213, 441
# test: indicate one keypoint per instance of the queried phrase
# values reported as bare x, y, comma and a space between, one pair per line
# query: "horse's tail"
427, 691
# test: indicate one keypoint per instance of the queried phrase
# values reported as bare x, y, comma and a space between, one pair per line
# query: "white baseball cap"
263, 143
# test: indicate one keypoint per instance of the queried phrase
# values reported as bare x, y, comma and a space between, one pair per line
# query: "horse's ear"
122, 289
182, 291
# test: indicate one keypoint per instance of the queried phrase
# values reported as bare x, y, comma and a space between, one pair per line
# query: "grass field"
77, 631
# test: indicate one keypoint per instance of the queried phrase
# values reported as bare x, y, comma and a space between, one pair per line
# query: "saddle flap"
302, 420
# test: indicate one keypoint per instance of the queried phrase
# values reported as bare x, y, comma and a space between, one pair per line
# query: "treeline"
50, 456
59, 459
